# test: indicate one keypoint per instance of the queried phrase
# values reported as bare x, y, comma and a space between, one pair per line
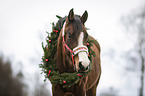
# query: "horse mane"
96, 43
61, 22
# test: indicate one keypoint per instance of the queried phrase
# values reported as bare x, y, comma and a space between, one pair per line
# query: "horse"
72, 52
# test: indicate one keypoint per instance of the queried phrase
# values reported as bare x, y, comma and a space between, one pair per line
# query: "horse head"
72, 43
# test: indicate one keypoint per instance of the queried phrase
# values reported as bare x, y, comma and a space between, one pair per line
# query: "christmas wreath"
49, 62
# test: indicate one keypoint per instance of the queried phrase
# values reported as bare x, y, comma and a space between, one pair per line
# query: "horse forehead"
75, 24
80, 39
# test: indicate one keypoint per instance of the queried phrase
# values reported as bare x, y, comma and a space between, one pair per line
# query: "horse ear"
84, 17
71, 15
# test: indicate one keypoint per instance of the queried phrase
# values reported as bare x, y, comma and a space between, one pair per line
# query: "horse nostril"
81, 66
87, 67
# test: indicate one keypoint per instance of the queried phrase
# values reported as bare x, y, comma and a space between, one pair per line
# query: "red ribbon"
89, 54
79, 75
49, 72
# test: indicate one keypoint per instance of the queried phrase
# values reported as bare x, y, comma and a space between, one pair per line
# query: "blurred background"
118, 25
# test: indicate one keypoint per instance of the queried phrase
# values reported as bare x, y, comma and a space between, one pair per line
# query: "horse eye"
69, 35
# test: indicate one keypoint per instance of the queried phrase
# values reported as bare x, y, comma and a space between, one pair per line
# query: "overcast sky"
23, 26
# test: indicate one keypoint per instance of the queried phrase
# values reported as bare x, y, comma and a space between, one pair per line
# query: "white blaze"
83, 56
63, 29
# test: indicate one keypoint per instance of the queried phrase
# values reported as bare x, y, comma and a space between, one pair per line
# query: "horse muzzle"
83, 68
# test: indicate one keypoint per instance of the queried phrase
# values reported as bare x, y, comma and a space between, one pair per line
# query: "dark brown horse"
73, 40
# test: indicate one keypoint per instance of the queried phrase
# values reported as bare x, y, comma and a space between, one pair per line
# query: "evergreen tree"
9, 85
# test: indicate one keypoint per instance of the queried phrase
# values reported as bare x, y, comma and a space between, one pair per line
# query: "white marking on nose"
83, 56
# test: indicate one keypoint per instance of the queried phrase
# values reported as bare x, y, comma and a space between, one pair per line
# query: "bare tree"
135, 25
